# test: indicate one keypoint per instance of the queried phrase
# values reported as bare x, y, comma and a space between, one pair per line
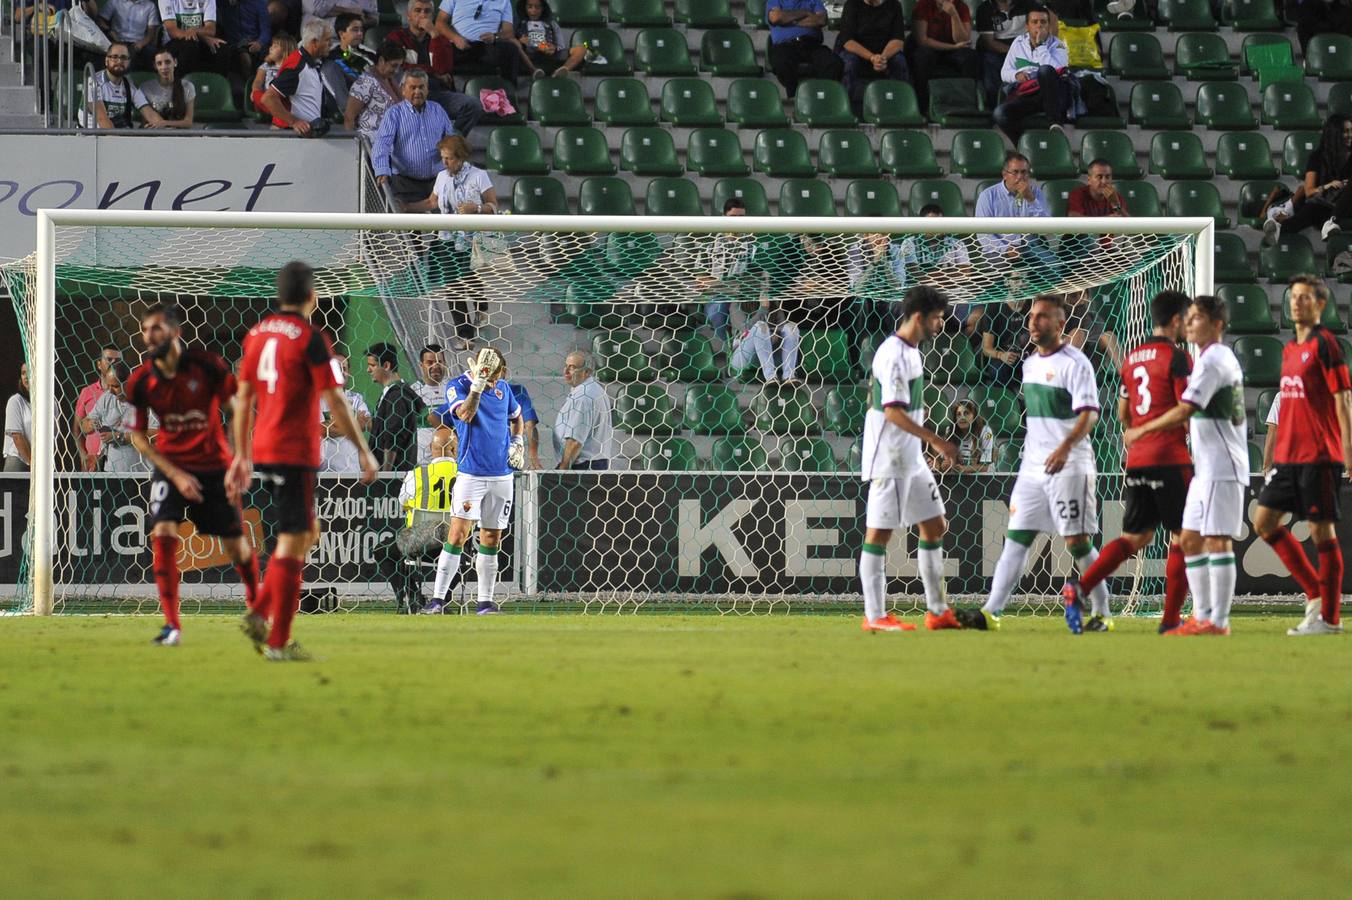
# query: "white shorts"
901, 502
1063, 504
487, 501
1215, 508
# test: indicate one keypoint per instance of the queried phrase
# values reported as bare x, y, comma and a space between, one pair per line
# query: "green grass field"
670, 756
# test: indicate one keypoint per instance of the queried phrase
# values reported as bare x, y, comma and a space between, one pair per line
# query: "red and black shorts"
292, 489
214, 514
1154, 496
1306, 490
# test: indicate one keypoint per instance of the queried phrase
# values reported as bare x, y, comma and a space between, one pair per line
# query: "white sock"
448, 572
1099, 598
931, 559
486, 564
1199, 582
1222, 571
1008, 571
874, 581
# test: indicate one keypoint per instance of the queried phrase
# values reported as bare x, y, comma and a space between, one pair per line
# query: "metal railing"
45, 53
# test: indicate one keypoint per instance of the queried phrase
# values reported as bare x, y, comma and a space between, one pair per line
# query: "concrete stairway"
16, 100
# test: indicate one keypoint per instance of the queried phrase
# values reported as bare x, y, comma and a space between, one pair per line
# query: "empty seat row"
694, 13
1204, 56
1224, 105
742, 454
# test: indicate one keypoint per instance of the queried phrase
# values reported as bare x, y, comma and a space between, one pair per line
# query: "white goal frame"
43, 347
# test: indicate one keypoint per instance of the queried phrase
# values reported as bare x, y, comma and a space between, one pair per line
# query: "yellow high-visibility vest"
431, 488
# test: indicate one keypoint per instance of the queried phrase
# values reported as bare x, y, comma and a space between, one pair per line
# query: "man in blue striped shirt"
405, 150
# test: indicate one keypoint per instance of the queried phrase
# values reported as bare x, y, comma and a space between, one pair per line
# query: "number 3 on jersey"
267, 365
1142, 389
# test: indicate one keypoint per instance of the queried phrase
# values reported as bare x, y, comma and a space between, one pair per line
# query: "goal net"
734, 351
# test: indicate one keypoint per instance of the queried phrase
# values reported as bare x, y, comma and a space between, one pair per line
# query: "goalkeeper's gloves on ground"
516, 453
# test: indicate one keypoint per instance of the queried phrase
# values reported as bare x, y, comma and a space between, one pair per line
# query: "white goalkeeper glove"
484, 366
516, 453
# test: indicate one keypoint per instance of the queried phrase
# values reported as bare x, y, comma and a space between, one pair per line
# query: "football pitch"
670, 756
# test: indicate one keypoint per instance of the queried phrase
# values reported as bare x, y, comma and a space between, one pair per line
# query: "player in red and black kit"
288, 365
1313, 452
185, 388
1159, 468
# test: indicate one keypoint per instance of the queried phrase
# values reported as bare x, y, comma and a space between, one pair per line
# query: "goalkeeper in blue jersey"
482, 408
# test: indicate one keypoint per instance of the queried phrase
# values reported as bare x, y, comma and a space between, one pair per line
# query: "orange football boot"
888, 622
940, 621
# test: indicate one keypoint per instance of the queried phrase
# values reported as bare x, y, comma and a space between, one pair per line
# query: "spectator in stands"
86, 435
1099, 196
1320, 17
374, 92
112, 418
582, 432
998, 23
115, 98
19, 425
190, 33
426, 50
797, 40
431, 387
529, 419
482, 33
405, 153
870, 43
394, 428
247, 29
347, 60
336, 452
1014, 196
1034, 75
974, 439
941, 35
541, 43
766, 331
1326, 195
1086, 330
1004, 338
729, 256
135, 23
281, 47
330, 10
296, 97
939, 259
169, 95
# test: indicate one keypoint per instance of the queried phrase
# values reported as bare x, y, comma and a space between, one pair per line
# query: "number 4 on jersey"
267, 365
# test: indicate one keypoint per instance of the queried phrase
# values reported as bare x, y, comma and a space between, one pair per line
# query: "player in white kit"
902, 491
1213, 515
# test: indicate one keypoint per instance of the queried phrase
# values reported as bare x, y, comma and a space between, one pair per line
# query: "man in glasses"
482, 32
135, 23
114, 97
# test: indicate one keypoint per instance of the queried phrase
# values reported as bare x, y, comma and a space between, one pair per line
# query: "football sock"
486, 565
1085, 555
282, 586
1199, 582
930, 555
1331, 581
1222, 571
874, 581
1175, 586
1113, 554
248, 575
1292, 555
1008, 570
166, 576
448, 572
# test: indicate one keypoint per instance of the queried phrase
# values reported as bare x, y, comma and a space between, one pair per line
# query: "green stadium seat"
952, 359
622, 360
936, 190
1329, 57
638, 13
669, 455
825, 355
1290, 107
580, 150
1057, 194
845, 407
891, 104
1291, 255
672, 197
645, 409
1232, 260
728, 53
755, 13
872, 197
1158, 106
1340, 98
693, 361
822, 104
214, 102
712, 409
689, 103
738, 454
1255, 458
1252, 196
846, 153
1251, 57
1178, 154
607, 46
1331, 320
605, 197
1137, 56
1196, 198
714, 152
749, 190
1249, 309
755, 103
705, 13
1136, 20
956, 103
807, 454
648, 151
623, 101
1261, 405
1187, 15
785, 409
662, 51
782, 153
577, 13
1261, 359
908, 154
1252, 15
515, 150
978, 153
540, 196
936, 400
1048, 153
1008, 455
557, 101
1141, 197
1296, 149
1244, 154
1224, 105
493, 83
1000, 408
1115, 147
587, 302
1203, 56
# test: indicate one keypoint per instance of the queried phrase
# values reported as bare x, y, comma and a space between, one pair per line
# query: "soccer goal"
735, 352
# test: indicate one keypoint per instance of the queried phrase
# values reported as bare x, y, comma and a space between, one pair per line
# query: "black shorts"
1307, 490
215, 515
292, 489
1155, 496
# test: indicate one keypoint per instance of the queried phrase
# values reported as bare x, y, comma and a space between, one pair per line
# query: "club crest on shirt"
192, 384
1051, 375
466, 506
1305, 357
497, 392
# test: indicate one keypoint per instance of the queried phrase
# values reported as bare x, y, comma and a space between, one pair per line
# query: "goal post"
643, 295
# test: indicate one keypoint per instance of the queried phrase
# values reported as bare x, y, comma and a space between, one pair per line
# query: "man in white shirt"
432, 389
1034, 77
336, 452
582, 431
190, 33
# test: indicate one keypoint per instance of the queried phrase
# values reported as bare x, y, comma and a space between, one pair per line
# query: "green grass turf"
670, 756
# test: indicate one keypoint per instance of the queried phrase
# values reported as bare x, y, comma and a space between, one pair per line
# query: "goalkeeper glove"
516, 453
483, 368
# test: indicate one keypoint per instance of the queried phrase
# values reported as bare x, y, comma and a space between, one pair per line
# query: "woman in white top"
19, 427
169, 95
112, 417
